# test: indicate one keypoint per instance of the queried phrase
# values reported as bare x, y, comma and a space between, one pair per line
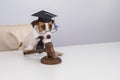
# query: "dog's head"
43, 27
45, 22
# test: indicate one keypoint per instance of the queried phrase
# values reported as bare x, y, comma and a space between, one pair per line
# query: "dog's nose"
48, 36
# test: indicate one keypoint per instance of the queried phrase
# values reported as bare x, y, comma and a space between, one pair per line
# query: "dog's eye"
50, 26
43, 27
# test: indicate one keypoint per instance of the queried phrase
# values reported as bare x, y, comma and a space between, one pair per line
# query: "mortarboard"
44, 16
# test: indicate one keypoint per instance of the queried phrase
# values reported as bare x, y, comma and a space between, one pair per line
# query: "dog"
41, 31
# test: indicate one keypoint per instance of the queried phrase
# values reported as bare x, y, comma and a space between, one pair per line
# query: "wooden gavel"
51, 57
48, 48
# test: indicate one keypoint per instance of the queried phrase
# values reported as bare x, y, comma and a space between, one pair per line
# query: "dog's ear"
33, 23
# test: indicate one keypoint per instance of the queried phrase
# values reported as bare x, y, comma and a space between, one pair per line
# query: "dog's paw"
58, 53
28, 48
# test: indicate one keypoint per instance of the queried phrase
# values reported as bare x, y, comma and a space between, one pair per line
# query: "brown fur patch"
33, 23
41, 25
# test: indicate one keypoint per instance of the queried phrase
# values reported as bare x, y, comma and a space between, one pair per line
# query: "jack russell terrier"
41, 32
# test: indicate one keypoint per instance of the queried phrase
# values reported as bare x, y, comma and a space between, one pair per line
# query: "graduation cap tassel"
56, 26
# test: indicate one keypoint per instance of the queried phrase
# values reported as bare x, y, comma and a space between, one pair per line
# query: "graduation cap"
44, 16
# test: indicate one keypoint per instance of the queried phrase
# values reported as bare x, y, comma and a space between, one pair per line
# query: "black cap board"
44, 16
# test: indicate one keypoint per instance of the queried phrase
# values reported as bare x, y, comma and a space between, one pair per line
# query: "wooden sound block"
51, 61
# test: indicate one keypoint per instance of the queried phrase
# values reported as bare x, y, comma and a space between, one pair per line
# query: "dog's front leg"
29, 47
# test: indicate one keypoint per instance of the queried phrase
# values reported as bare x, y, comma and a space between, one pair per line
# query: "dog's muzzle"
47, 37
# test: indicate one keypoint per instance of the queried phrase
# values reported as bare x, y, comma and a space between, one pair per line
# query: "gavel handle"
34, 51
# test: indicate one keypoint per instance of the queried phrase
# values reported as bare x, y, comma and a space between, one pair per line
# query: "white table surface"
81, 62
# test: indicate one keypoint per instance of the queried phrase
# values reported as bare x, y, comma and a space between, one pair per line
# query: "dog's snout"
48, 36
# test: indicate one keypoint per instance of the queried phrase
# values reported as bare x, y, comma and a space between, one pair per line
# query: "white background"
82, 62
80, 21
